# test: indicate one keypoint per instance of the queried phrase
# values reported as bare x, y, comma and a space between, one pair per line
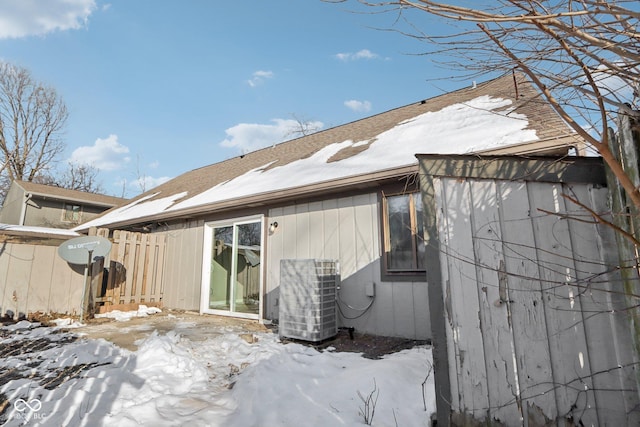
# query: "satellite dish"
76, 251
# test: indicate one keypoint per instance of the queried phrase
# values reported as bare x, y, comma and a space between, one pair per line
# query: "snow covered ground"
55, 377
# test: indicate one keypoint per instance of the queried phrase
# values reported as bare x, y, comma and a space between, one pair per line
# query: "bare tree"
141, 176
81, 177
302, 127
32, 117
583, 55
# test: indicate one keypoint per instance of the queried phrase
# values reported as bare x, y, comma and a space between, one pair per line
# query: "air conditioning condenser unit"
308, 292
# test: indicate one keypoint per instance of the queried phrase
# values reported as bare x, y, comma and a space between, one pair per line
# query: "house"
348, 194
31, 204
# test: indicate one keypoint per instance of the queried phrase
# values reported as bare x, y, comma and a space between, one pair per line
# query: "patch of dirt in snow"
371, 346
19, 347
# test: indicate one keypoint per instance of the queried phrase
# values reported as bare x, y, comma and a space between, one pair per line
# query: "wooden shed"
529, 321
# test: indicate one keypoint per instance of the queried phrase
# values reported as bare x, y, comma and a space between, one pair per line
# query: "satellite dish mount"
83, 251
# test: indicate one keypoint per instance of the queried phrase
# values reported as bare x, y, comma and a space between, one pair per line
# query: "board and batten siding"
183, 266
532, 327
347, 230
33, 278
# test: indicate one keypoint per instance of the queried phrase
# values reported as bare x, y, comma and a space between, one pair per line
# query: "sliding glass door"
232, 275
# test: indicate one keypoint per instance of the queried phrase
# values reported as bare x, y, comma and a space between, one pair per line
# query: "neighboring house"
348, 194
30, 204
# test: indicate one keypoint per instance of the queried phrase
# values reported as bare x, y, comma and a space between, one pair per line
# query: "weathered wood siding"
535, 326
624, 143
347, 230
33, 278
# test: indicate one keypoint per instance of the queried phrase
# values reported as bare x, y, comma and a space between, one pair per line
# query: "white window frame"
207, 251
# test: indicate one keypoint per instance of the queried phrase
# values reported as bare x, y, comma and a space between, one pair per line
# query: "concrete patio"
188, 324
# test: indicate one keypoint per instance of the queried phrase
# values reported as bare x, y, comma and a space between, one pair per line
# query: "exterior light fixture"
272, 227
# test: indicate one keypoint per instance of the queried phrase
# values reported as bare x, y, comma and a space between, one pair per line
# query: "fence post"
95, 290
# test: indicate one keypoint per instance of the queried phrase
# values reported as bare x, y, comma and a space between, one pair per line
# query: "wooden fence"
530, 324
33, 277
134, 274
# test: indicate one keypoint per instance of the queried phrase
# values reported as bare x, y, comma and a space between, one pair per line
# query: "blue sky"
156, 87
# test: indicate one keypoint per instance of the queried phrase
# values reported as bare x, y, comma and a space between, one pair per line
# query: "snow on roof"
482, 123
41, 230
137, 209
458, 129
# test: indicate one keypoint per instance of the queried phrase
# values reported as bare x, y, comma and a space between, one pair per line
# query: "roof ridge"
319, 133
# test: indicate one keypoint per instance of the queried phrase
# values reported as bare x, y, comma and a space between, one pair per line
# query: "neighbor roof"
504, 112
59, 193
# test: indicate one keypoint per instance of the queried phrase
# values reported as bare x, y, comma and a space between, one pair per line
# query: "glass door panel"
247, 286
233, 283
221, 268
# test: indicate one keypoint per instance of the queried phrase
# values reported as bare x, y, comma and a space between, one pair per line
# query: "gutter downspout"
23, 212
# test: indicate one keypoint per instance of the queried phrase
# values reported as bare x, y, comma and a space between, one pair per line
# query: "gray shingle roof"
525, 100
541, 117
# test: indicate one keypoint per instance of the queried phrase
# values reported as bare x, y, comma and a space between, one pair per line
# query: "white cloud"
361, 54
359, 106
105, 154
252, 136
614, 86
22, 18
258, 77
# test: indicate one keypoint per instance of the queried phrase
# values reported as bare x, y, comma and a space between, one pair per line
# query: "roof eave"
35, 234
273, 197
70, 199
